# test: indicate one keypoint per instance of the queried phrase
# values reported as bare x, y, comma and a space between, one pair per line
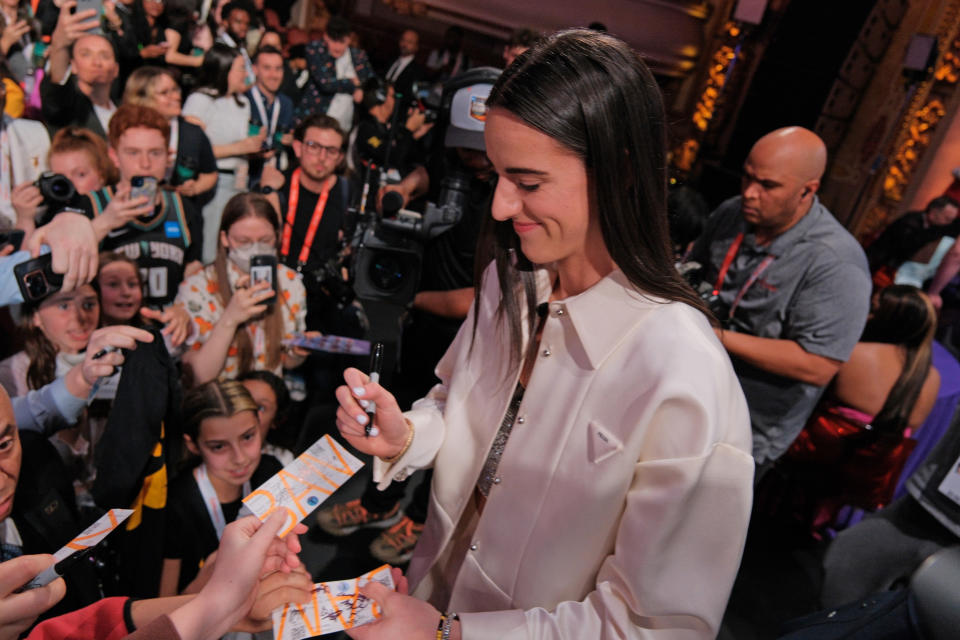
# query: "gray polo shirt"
816, 292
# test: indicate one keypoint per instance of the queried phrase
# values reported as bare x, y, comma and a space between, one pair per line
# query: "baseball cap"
468, 113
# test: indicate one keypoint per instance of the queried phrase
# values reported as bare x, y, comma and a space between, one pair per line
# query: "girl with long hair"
237, 330
219, 104
589, 440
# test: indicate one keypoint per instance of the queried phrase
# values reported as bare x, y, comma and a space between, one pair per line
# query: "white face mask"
241, 255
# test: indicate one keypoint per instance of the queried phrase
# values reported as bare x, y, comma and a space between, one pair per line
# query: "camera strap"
725, 266
292, 203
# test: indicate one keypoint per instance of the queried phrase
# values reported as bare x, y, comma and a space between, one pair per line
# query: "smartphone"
97, 5
36, 278
13, 237
143, 186
264, 267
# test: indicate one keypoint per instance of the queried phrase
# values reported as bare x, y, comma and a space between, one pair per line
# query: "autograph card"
303, 485
92, 535
331, 344
333, 606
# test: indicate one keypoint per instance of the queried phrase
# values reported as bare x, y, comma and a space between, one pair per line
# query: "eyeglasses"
318, 149
167, 92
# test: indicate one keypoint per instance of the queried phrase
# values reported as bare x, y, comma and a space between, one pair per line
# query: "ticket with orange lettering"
303, 485
333, 606
88, 538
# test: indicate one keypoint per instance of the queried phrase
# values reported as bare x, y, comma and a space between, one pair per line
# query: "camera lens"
387, 272
36, 284
60, 187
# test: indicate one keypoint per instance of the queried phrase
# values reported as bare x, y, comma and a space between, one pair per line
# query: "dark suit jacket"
323, 83
412, 73
65, 105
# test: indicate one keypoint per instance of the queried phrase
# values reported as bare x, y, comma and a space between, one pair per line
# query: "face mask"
241, 255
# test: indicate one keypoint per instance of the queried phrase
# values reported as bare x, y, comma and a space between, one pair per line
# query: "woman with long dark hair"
220, 105
853, 447
237, 329
589, 439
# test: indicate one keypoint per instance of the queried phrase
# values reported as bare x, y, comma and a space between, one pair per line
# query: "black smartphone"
36, 278
13, 237
264, 267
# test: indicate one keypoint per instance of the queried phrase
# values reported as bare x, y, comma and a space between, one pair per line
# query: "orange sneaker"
395, 545
343, 519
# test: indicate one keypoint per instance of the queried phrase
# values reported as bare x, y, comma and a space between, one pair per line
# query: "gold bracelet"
406, 445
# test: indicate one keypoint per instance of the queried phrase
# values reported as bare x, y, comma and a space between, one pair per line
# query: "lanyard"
174, 147
262, 110
725, 266
292, 203
210, 499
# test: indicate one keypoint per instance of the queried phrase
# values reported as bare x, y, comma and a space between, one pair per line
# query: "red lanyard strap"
727, 261
294, 200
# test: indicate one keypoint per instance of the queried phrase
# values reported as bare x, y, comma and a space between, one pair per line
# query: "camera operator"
380, 145
462, 172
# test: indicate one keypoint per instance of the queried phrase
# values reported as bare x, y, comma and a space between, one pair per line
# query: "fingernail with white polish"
374, 432
362, 419
364, 403
359, 391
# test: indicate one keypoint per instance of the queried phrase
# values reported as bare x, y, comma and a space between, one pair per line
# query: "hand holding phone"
264, 268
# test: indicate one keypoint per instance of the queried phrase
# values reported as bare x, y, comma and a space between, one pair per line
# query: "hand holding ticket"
333, 606
73, 550
303, 485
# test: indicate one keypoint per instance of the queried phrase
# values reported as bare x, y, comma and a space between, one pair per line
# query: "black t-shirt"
326, 242
194, 154
190, 535
161, 246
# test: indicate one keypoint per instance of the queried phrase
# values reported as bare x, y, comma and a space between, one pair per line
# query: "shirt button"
473, 547
546, 352
561, 312
496, 480
521, 420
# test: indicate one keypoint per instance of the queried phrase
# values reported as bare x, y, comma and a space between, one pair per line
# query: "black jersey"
161, 245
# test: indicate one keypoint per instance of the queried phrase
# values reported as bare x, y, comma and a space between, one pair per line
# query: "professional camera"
56, 189
388, 249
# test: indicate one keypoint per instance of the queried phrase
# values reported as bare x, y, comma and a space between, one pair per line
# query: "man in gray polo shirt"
791, 285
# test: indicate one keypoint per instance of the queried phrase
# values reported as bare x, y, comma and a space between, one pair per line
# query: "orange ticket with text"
303, 485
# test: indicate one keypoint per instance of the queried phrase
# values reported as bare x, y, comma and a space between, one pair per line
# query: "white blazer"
625, 487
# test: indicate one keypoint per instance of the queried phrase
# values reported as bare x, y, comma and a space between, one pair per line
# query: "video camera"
388, 248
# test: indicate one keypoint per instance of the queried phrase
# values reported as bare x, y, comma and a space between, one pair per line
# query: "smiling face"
120, 292
80, 168
10, 455
164, 96
68, 319
544, 190
230, 448
237, 76
269, 71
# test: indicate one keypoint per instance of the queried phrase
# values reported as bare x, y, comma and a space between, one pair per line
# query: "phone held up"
37, 279
264, 267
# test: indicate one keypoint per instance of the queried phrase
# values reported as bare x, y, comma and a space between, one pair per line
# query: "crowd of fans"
159, 149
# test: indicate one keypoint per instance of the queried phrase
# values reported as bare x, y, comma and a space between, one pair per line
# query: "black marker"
96, 385
55, 571
376, 368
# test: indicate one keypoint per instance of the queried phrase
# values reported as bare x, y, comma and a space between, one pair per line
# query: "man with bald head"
789, 285
83, 65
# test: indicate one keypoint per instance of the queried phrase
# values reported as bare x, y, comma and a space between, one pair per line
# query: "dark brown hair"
904, 316
240, 206
592, 94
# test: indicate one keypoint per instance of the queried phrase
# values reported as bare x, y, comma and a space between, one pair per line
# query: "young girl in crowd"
55, 335
273, 402
220, 428
589, 439
81, 156
238, 329
220, 105
120, 285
